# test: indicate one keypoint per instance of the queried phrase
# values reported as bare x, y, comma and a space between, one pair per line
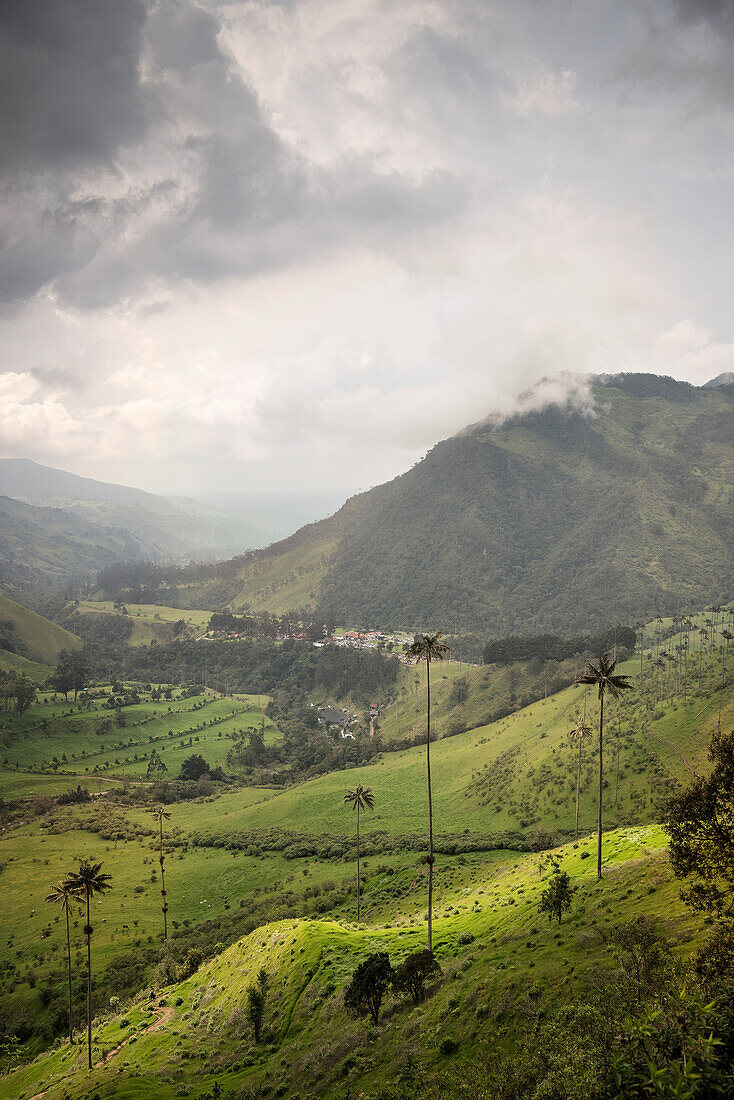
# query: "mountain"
725, 379
556, 520
49, 547
214, 525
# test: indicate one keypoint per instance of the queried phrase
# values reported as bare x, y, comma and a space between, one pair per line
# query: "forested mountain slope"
554, 520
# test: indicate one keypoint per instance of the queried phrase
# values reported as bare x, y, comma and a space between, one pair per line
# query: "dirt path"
164, 1015
675, 752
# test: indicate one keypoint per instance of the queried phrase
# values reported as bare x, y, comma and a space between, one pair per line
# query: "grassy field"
492, 945
511, 777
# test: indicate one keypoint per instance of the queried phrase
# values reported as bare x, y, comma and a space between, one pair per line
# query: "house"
332, 716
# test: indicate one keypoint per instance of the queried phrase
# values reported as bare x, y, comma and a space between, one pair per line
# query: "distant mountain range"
56, 526
554, 520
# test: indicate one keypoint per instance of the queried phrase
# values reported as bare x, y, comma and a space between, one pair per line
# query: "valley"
202, 733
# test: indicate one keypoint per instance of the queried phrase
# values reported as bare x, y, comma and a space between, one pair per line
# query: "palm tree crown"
90, 879
427, 647
62, 894
602, 675
361, 797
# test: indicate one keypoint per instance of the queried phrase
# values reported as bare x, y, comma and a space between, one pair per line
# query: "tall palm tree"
428, 647
578, 735
83, 884
61, 894
602, 676
160, 814
361, 798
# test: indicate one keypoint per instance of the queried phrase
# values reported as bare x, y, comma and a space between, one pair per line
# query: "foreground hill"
499, 961
556, 520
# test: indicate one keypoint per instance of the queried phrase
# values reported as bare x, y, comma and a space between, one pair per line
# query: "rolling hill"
29, 643
554, 520
157, 527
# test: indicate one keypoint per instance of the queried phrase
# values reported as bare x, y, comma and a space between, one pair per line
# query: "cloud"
69, 82
298, 242
546, 93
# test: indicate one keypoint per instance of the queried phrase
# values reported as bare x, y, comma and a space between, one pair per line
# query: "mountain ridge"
540, 522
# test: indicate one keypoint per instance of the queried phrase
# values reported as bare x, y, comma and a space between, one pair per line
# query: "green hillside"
549, 521
29, 643
42, 548
239, 858
490, 943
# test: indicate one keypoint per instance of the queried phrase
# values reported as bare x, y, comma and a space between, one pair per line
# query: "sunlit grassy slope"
33, 637
60, 736
494, 949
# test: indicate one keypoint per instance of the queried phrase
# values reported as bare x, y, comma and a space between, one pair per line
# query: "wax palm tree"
428, 647
61, 894
361, 798
160, 814
578, 735
602, 676
83, 884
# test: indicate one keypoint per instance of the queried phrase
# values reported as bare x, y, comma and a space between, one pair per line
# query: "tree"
556, 898
428, 647
700, 823
256, 1000
194, 767
161, 814
411, 975
84, 883
370, 982
71, 673
578, 735
156, 766
361, 798
62, 894
602, 676
644, 956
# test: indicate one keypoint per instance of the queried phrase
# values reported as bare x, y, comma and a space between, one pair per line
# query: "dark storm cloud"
719, 13
69, 81
204, 189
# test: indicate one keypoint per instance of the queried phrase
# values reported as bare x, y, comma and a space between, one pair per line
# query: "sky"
291, 245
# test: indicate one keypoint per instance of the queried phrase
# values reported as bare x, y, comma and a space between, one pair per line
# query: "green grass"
309, 962
93, 742
34, 637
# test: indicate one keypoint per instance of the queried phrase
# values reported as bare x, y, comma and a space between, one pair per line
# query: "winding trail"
164, 1015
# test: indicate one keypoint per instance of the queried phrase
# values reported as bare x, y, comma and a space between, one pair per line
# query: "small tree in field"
410, 976
370, 982
556, 898
256, 998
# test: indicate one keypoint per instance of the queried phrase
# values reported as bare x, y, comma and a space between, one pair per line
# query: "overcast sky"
262, 245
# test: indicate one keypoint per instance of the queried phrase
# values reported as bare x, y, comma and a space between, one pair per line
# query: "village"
396, 642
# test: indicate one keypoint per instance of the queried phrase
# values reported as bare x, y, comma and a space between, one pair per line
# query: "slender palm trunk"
601, 780
163, 890
358, 906
68, 962
578, 790
89, 986
430, 809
